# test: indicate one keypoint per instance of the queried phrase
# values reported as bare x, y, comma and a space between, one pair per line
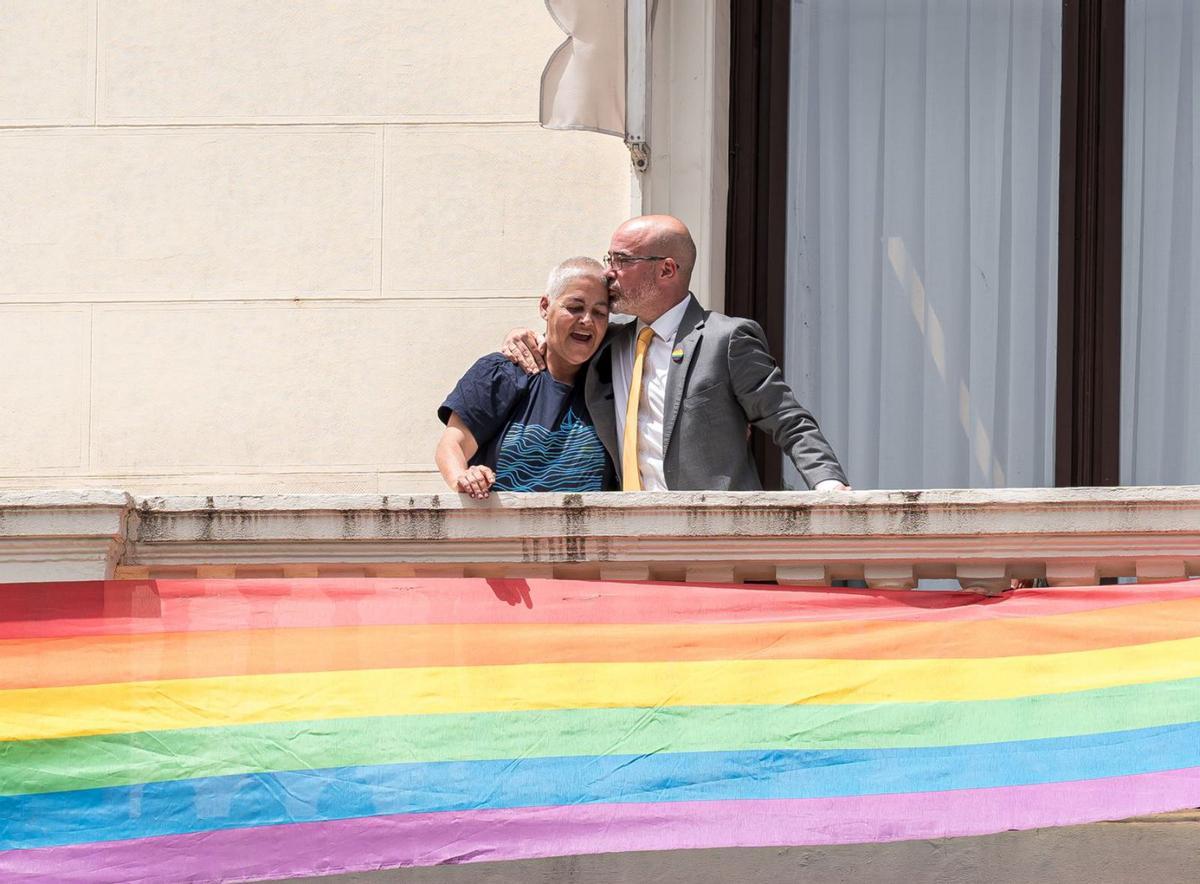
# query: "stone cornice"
890, 538
62, 535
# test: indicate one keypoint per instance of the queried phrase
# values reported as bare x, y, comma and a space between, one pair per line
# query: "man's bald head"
652, 257
665, 235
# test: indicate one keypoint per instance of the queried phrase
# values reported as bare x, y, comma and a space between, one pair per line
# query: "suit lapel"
687, 339
599, 390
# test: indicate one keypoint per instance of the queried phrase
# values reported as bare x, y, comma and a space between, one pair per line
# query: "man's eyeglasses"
620, 259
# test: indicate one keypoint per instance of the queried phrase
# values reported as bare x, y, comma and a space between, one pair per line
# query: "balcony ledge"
983, 538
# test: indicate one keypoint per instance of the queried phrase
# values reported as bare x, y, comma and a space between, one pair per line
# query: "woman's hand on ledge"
475, 481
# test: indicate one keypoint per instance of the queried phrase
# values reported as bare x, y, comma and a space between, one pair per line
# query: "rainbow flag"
232, 729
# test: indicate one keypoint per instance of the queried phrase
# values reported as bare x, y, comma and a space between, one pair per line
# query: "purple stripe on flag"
368, 843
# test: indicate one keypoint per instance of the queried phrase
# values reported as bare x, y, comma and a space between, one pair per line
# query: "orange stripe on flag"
28, 663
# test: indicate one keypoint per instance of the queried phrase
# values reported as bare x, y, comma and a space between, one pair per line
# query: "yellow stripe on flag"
39, 713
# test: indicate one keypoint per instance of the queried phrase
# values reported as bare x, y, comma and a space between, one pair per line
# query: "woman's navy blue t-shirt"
533, 431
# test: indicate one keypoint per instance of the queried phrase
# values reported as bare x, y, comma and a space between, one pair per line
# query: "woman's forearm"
450, 458
454, 451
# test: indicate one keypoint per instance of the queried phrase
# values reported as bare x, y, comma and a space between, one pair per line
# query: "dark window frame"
756, 222
1087, 422
1088, 384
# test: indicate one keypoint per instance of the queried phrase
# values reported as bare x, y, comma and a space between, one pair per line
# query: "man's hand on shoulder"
832, 485
526, 348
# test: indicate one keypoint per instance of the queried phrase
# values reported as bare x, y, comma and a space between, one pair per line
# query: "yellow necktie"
631, 478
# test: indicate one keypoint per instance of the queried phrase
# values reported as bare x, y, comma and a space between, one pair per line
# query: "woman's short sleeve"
485, 396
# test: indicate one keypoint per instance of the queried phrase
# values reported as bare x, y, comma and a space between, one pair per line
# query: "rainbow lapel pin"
677, 354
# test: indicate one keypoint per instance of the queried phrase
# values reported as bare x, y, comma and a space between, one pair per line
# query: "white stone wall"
249, 246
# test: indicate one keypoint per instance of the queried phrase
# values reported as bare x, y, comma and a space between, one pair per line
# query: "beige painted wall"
249, 246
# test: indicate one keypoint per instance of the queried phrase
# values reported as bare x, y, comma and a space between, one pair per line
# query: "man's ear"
544, 306
669, 268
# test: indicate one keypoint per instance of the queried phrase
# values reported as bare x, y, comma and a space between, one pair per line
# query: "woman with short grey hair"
509, 431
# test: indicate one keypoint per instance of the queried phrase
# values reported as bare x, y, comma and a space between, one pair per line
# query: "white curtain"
1160, 279
923, 219
583, 83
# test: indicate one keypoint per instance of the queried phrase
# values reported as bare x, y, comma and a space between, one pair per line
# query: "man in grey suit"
672, 393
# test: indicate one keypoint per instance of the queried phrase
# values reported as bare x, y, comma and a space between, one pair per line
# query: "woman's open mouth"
581, 337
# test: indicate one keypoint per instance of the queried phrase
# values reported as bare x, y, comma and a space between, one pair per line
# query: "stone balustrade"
982, 538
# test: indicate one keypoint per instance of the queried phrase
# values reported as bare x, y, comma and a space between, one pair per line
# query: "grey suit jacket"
725, 380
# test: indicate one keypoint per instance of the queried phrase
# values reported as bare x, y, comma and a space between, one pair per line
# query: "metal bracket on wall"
637, 81
639, 153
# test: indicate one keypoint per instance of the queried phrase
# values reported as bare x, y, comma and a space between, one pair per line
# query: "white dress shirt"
652, 400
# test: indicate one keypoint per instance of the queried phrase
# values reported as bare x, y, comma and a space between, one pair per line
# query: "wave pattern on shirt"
537, 458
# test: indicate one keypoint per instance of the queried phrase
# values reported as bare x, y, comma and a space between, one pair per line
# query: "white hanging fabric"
583, 84
1160, 260
922, 236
